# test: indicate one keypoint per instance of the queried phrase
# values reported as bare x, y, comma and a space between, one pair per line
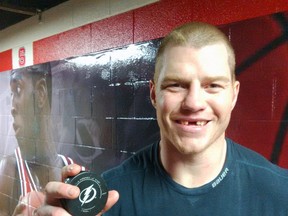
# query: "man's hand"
18, 211
27, 204
54, 191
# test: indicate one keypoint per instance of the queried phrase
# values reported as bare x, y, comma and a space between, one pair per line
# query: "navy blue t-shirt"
247, 185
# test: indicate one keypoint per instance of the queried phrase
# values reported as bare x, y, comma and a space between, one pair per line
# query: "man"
35, 161
194, 169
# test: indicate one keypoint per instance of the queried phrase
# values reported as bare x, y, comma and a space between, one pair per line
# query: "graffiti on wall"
260, 118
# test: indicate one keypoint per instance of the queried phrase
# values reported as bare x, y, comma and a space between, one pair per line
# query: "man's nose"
194, 99
13, 105
13, 111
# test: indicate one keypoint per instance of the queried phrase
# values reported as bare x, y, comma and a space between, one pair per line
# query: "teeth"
200, 123
184, 122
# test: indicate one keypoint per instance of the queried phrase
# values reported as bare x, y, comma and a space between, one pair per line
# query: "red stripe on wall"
156, 20
70, 43
149, 22
112, 32
6, 60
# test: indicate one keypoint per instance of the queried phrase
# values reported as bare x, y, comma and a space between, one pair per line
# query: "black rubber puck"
93, 195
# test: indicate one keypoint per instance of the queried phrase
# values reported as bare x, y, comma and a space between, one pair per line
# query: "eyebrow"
176, 77
218, 78
16, 75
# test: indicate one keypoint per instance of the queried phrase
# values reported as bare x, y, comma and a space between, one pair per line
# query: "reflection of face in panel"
23, 112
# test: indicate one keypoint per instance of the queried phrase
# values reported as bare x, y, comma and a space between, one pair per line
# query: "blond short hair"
195, 34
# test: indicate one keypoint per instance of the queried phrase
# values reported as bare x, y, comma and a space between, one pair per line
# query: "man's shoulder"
257, 175
137, 163
256, 163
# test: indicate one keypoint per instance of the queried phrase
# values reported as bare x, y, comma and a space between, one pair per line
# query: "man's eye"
172, 86
214, 85
16, 90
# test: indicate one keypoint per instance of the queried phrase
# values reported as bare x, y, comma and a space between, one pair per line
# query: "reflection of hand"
29, 203
59, 190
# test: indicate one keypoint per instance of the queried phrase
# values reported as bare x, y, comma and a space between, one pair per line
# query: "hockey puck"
93, 194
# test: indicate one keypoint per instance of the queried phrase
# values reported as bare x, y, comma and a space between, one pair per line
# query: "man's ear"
41, 93
152, 92
236, 88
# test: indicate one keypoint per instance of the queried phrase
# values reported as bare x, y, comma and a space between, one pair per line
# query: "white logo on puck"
87, 195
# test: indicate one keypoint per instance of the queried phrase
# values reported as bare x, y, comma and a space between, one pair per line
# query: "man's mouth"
196, 123
16, 127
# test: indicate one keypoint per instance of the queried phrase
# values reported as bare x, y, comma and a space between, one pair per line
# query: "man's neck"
195, 170
40, 152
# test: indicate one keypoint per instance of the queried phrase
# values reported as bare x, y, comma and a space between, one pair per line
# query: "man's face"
194, 97
22, 105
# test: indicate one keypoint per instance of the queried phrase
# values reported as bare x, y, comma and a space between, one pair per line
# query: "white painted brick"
89, 10
117, 6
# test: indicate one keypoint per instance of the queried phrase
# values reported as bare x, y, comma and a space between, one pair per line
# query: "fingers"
58, 190
50, 210
55, 191
113, 197
71, 170
19, 209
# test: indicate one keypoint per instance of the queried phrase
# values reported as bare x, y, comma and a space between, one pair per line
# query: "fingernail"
71, 167
72, 192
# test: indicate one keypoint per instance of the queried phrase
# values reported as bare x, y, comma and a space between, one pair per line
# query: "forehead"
210, 59
20, 75
216, 52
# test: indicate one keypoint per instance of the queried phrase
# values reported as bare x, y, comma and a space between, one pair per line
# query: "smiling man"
194, 95
194, 169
